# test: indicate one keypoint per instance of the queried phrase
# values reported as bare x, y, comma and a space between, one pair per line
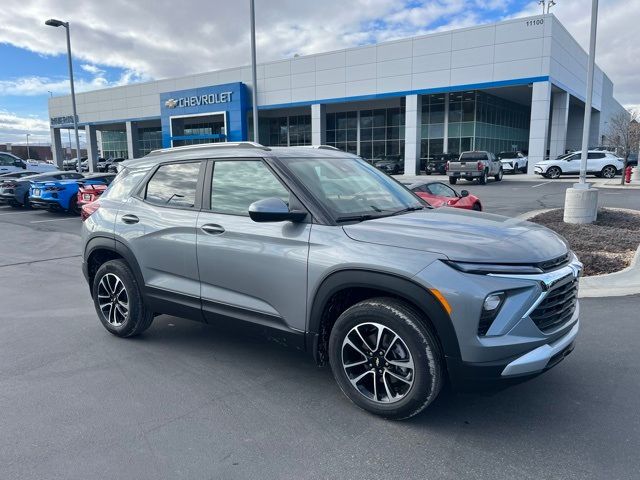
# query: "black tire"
139, 317
553, 172
477, 207
608, 171
525, 169
25, 201
498, 177
453, 180
73, 206
482, 179
427, 172
415, 340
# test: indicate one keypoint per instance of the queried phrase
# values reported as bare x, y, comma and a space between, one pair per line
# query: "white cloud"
31, 86
92, 69
13, 128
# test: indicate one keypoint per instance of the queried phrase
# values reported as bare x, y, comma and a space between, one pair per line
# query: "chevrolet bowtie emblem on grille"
171, 103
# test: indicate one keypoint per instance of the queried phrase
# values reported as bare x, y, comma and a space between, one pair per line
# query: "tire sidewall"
422, 346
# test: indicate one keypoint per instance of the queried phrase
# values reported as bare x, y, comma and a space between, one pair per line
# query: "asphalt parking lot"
187, 401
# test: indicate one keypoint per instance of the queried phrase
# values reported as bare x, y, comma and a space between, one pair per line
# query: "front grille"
557, 307
554, 263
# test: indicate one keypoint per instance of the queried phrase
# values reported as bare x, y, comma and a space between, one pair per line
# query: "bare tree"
623, 132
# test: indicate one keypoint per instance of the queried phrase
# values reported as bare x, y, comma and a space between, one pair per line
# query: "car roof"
238, 150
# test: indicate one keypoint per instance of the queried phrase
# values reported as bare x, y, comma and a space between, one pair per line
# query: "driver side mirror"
273, 210
20, 163
464, 193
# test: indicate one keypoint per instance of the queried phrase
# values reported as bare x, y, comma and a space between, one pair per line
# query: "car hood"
463, 235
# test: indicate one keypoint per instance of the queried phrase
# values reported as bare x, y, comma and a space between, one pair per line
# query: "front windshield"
351, 187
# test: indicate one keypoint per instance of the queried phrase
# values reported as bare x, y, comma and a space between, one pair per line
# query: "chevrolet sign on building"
196, 101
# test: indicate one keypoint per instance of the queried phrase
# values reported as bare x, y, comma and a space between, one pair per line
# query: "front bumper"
538, 170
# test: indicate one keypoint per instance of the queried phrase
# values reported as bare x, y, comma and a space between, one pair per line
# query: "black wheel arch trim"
113, 245
396, 285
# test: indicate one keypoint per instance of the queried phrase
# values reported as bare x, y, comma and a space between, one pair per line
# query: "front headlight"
497, 268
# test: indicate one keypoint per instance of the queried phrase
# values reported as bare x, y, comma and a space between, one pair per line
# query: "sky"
118, 42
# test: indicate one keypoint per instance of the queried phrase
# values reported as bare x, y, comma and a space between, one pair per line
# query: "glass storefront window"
149, 139
114, 144
381, 132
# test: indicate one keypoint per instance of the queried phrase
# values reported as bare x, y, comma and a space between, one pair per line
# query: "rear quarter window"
124, 183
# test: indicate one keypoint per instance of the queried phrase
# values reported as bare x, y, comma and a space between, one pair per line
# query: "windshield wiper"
408, 209
356, 218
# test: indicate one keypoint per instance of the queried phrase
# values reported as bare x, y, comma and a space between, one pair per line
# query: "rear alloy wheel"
25, 201
553, 172
499, 176
477, 207
453, 180
384, 358
118, 300
482, 179
525, 169
609, 171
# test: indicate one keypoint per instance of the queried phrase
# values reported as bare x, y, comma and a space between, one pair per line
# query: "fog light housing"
492, 302
490, 308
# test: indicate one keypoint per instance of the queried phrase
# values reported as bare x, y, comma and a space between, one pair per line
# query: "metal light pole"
587, 106
58, 23
28, 153
256, 135
581, 201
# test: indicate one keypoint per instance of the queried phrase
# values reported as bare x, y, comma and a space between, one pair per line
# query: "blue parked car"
63, 194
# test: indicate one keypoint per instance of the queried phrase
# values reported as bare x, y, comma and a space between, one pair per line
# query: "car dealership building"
513, 85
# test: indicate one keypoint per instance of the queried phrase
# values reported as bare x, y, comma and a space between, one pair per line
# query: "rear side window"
174, 185
237, 184
595, 155
123, 184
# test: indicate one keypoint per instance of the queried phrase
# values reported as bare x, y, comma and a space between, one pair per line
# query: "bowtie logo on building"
171, 103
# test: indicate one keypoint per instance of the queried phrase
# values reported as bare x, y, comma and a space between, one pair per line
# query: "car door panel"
239, 266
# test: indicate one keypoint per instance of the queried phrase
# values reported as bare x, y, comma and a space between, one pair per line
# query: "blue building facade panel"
232, 99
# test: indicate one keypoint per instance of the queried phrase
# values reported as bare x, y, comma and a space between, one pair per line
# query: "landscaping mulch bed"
606, 246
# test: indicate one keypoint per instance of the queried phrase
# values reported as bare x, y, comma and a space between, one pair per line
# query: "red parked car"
438, 194
89, 192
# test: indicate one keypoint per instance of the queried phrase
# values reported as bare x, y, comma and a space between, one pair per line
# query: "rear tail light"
446, 167
89, 209
480, 166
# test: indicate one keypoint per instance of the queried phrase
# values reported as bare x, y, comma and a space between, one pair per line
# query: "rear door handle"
212, 229
130, 219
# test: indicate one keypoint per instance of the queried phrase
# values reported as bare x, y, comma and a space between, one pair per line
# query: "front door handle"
130, 219
212, 229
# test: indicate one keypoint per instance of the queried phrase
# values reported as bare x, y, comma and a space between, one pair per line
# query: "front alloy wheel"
553, 172
609, 171
377, 362
385, 358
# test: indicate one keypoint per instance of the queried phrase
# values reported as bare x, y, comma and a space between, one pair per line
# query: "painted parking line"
541, 184
11, 213
55, 220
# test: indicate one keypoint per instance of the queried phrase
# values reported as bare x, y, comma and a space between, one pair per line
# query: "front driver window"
236, 184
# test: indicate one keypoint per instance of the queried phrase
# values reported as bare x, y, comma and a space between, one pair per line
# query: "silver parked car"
324, 251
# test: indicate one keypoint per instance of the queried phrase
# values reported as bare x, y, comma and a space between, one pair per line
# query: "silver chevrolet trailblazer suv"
317, 248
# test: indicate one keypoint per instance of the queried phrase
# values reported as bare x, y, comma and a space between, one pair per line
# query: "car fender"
395, 285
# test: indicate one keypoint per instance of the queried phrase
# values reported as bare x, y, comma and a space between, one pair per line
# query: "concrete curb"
616, 284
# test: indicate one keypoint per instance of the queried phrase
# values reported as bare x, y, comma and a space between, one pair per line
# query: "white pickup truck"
477, 165
9, 163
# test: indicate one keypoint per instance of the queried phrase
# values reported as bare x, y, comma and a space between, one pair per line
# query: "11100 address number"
537, 21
